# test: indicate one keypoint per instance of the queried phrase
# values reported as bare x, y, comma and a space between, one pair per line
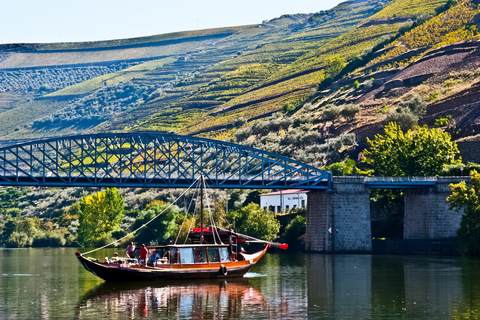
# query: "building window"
303, 203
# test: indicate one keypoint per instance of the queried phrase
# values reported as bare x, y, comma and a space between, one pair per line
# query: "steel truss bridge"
152, 160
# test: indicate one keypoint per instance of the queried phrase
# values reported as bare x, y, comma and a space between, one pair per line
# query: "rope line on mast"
212, 221
145, 224
186, 215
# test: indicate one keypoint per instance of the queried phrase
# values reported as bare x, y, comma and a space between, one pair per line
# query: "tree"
422, 152
255, 222
468, 199
160, 230
334, 67
342, 168
100, 213
294, 230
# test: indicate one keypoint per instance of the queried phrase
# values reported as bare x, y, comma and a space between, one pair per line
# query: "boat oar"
282, 246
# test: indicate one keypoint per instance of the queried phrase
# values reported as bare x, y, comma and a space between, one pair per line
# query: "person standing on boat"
143, 255
130, 251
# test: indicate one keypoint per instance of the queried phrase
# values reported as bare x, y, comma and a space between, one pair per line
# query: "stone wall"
427, 214
318, 221
346, 208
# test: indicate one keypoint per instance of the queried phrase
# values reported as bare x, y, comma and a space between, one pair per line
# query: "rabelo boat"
212, 252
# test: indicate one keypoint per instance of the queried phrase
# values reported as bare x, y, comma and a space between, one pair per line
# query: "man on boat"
114, 258
143, 255
130, 251
154, 258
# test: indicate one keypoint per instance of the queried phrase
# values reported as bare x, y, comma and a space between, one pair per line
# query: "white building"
283, 201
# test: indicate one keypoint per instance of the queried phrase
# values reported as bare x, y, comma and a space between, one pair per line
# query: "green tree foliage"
10, 197
255, 222
342, 168
468, 199
100, 214
334, 67
160, 230
422, 152
455, 169
18, 232
236, 199
294, 230
288, 107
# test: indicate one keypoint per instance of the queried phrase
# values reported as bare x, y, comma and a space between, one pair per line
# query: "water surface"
51, 284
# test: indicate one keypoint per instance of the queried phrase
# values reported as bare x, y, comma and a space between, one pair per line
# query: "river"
50, 284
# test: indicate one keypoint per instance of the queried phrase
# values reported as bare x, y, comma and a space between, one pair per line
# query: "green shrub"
331, 113
49, 239
442, 122
294, 230
415, 105
288, 107
454, 169
18, 240
406, 120
350, 111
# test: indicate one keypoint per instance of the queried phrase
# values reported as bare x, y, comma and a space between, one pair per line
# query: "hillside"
84, 87
323, 81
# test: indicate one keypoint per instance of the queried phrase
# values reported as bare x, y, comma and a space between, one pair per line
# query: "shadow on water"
192, 299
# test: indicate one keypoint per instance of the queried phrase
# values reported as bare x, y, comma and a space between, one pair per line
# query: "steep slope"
116, 84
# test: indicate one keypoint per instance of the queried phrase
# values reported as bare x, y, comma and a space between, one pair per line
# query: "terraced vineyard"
200, 71
334, 76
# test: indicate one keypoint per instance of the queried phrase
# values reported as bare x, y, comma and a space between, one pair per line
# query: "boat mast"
201, 209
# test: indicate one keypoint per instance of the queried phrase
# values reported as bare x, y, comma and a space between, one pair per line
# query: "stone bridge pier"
346, 210
338, 220
427, 214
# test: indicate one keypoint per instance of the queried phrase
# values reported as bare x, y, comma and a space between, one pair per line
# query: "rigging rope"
186, 214
211, 217
145, 224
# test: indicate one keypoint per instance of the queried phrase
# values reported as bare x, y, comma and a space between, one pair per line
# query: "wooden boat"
188, 261
212, 253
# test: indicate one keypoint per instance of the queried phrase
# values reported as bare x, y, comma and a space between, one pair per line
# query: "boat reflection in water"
212, 299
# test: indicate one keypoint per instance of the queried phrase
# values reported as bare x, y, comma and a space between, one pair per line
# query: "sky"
35, 21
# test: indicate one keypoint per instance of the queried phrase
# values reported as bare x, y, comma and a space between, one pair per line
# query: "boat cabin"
210, 251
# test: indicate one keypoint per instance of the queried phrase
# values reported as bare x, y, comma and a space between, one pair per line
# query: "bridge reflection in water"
392, 287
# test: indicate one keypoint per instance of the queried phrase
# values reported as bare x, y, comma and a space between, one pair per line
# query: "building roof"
291, 191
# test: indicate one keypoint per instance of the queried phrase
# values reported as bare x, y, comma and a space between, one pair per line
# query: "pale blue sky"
89, 20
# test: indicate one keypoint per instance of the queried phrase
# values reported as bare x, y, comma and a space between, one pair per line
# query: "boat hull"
119, 273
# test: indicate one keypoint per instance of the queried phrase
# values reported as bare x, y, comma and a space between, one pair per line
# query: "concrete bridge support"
427, 215
345, 208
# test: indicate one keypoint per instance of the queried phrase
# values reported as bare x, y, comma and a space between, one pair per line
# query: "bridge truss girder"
157, 160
